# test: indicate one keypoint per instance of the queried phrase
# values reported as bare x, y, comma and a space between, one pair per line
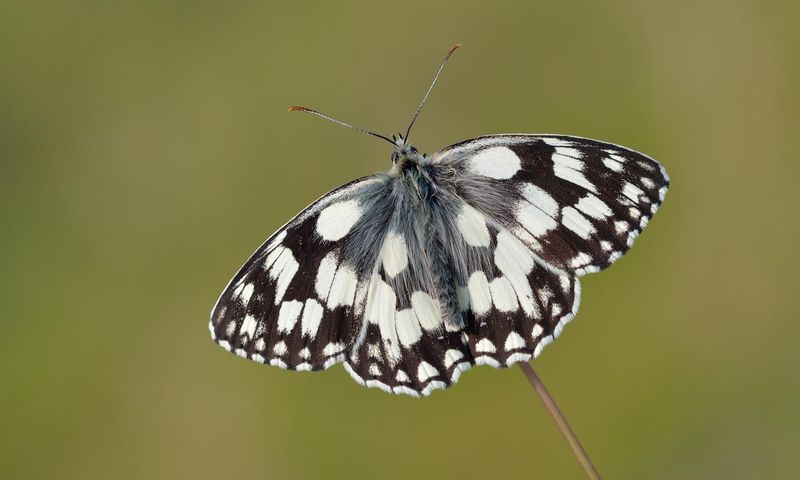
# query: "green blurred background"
146, 152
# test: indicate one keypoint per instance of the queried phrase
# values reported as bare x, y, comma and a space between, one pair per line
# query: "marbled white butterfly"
467, 256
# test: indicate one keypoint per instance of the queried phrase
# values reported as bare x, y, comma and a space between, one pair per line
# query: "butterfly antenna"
428, 93
339, 122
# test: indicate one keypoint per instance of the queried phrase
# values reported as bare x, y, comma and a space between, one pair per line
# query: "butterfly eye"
395, 157
413, 150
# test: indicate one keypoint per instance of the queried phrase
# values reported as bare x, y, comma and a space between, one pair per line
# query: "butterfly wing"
292, 304
578, 204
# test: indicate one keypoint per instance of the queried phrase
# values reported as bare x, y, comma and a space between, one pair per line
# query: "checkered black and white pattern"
468, 256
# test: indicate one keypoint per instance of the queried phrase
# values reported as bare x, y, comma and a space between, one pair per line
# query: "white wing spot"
325, 273
394, 254
408, 328
246, 293
312, 315
545, 293
570, 169
283, 271
528, 239
287, 316
646, 165
594, 207
632, 191
500, 163
537, 330
514, 341
503, 296
485, 360
381, 301
472, 225
374, 350
515, 261
336, 220
573, 176
280, 349
539, 199
557, 142
427, 311
621, 226
277, 362
451, 357
380, 310
479, 297
631, 237
276, 240
332, 349
485, 346
248, 326
580, 260
648, 183
573, 220
534, 220
426, 371
567, 157
401, 377
273, 255
343, 288
612, 164
616, 157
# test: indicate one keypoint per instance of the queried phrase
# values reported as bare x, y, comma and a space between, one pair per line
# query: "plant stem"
561, 422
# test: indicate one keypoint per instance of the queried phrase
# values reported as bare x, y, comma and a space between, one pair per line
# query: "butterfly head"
405, 153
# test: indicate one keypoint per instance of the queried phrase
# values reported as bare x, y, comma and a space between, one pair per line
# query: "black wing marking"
577, 203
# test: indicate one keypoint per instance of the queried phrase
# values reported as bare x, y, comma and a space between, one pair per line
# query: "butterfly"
468, 256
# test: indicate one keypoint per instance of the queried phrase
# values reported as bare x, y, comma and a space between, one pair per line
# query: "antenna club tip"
455, 47
292, 109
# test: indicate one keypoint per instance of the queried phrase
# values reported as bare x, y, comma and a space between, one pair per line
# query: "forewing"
578, 204
293, 302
